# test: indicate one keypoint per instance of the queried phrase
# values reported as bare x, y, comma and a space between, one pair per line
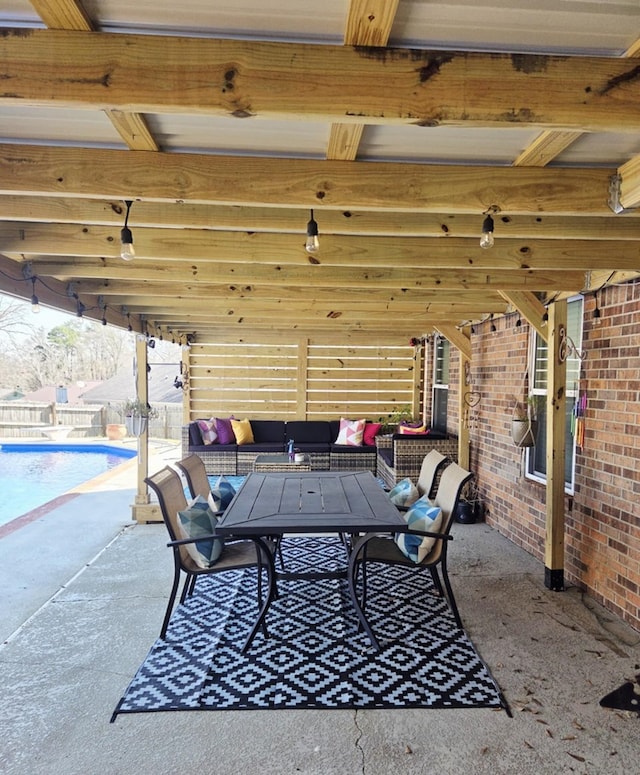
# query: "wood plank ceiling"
226, 123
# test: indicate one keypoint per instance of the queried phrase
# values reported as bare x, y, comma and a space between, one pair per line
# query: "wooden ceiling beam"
310, 277
172, 290
531, 308
630, 183
174, 321
135, 295
344, 140
546, 147
311, 307
369, 22
330, 317
458, 339
288, 250
160, 293
363, 85
552, 142
278, 220
241, 180
133, 129
278, 334
172, 316
70, 15
63, 15
53, 293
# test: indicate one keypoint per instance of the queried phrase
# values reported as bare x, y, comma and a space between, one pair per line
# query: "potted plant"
115, 431
524, 422
470, 508
391, 421
136, 415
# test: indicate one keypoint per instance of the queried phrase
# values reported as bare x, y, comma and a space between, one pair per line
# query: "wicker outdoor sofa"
400, 456
316, 438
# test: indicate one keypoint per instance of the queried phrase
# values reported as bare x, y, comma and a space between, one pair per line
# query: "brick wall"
602, 521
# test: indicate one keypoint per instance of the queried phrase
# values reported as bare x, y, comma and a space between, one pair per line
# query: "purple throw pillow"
224, 431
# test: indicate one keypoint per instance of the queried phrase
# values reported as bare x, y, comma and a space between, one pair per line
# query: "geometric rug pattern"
314, 655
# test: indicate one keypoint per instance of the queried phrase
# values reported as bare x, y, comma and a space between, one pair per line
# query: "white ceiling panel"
606, 149
18, 13
88, 128
444, 145
212, 134
606, 27
384, 225
284, 20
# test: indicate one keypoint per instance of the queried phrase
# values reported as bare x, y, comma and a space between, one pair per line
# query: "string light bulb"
127, 252
486, 238
596, 315
35, 304
312, 245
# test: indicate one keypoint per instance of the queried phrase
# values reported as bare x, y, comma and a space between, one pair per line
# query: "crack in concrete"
358, 738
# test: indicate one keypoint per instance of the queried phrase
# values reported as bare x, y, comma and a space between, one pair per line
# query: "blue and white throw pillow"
221, 494
421, 516
405, 493
195, 521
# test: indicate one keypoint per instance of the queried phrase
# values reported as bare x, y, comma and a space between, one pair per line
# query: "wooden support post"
426, 381
462, 341
142, 500
463, 409
186, 395
556, 443
301, 383
417, 389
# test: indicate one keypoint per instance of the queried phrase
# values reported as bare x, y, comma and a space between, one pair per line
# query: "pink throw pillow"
208, 431
351, 432
371, 430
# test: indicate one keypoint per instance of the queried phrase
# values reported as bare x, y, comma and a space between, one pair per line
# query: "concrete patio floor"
84, 592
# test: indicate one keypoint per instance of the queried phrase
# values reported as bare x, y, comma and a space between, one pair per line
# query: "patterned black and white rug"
314, 656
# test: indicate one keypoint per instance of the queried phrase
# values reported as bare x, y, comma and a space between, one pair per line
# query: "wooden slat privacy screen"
303, 380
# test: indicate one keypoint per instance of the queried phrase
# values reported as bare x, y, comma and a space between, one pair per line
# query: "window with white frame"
536, 456
440, 391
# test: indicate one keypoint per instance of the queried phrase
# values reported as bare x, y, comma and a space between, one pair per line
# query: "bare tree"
12, 314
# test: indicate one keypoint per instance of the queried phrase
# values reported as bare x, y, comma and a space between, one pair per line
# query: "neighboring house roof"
13, 395
114, 390
122, 387
75, 393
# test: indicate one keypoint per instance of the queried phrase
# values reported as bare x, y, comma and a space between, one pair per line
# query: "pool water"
33, 474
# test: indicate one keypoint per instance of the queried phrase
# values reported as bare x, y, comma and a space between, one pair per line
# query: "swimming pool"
33, 474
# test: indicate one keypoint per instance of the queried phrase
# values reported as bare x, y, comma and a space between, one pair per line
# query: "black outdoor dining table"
274, 504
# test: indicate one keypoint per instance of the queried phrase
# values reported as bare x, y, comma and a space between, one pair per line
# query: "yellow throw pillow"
243, 431
407, 430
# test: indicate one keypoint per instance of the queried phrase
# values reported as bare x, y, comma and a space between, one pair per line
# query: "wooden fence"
21, 420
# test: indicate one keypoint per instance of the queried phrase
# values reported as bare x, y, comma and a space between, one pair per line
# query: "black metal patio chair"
373, 547
236, 553
195, 474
